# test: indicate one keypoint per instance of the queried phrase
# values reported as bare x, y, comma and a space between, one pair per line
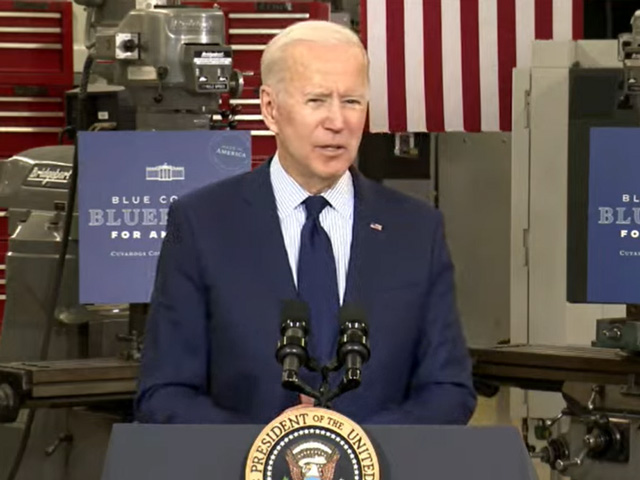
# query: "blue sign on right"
614, 216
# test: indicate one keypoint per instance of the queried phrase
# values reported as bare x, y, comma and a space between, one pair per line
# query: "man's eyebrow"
317, 93
325, 94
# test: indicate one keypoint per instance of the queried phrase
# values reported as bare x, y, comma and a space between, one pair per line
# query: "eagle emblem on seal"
312, 460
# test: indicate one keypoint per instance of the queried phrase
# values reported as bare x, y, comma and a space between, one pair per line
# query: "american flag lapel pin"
376, 226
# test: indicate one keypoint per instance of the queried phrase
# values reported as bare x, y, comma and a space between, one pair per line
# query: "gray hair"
272, 64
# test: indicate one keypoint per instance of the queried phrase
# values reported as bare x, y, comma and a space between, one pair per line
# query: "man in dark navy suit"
305, 225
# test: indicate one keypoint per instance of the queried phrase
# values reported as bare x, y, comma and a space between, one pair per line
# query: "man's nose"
335, 117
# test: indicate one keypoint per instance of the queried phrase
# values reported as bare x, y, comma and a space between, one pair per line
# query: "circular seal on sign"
310, 443
230, 150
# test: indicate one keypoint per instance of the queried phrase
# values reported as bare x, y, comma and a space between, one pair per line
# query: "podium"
219, 452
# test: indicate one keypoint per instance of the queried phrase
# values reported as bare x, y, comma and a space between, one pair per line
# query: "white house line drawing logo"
165, 173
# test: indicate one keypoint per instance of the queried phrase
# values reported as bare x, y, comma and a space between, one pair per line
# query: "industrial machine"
69, 370
596, 434
629, 55
171, 60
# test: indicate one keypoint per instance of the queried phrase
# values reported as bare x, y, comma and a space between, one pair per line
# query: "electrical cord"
52, 301
65, 132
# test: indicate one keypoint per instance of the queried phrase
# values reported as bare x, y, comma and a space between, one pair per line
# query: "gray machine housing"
171, 58
65, 443
175, 68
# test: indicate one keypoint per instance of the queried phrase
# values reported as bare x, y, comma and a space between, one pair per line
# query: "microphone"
353, 345
292, 347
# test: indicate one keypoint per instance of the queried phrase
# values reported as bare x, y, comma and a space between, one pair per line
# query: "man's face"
318, 111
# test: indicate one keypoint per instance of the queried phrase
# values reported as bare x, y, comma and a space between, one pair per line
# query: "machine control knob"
556, 449
605, 440
162, 72
9, 404
613, 333
129, 45
597, 441
236, 84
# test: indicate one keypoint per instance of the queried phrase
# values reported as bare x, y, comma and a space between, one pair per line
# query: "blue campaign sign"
614, 216
126, 183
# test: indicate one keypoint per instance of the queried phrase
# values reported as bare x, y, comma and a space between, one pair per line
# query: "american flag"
446, 65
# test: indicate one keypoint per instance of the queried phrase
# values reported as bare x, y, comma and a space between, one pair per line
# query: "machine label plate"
204, 57
274, 7
49, 176
141, 72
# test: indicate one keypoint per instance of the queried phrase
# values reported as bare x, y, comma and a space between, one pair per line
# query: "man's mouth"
331, 148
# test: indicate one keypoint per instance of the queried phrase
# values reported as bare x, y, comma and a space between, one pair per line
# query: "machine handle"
30, 100
35, 46
563, 465
548, 423
30, 30
62, 438
254, 31
29, 15
30, 129
269, 16
596, 391
32, 114
244, 101
248, 48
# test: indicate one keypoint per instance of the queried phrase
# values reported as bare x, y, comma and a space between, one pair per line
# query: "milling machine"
70, 370
596, 436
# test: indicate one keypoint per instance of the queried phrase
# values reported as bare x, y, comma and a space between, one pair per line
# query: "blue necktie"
317, 280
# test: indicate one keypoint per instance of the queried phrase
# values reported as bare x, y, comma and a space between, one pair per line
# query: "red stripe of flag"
578, 19
544, 19
506, 58
396, 85
470, 65
432, 17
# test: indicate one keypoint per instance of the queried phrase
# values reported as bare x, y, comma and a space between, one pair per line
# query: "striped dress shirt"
336, 218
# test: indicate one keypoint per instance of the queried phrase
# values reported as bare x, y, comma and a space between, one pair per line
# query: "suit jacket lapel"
269, 253
367, 243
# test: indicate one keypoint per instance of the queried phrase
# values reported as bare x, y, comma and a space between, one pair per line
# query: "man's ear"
268, 107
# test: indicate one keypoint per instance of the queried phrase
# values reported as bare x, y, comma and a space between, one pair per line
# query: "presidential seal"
310, 443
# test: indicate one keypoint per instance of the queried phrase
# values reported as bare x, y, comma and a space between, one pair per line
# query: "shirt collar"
289, 194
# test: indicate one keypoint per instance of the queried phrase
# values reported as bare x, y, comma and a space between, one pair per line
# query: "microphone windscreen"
295, 310
352, 313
